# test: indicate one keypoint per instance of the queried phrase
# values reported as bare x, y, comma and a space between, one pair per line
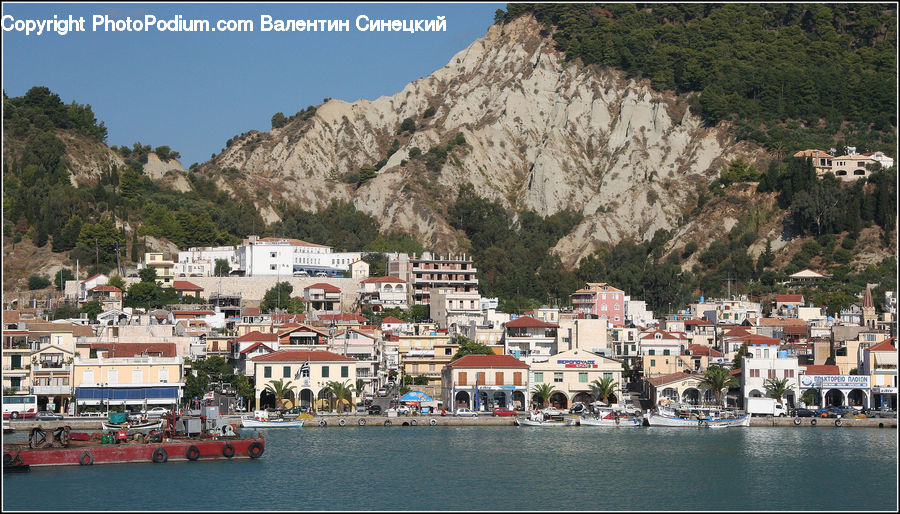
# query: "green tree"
408, 125
603, 389
543, 392
147, 274
470, 347
92, 309
429, 112
37, 282
342, 392
279, 389
718, 379
738, 361
117, 281
777, 387
61, 276
222, 268
278, 120
277, 297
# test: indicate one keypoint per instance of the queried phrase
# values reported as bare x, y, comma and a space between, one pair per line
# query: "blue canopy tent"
417, 397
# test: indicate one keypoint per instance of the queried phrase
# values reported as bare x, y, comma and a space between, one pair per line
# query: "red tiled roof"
10, 316
184, 285
82, 331
888, 345
328, 288
136, 349
666, 335
344, 316
389, 278
822, 369
736, 331
187, 313
250, 311
699, 349
92, 278
257, 336
672, 377
698, 322
528, 321
302, 356
255, 346
758, 340
488, 361
789, 298
105, 289
391, 319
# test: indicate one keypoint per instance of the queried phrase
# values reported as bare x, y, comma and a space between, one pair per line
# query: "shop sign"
884, 390
576, 363
835, 381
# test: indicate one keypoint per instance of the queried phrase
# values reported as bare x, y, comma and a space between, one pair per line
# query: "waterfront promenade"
333, 421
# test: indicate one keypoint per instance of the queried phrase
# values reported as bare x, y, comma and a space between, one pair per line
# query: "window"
137, 376
463, 377
162, 375
345, 371
538, 377
788, 373
754, 373
651, 352
498, 379
267, 372
607, 375
557, 376
771, 373
286, 371
324, 371
479, 378
112, 376
517, 378
272, 267
447, 351
666, 352
616, 306
652, 362
273, 254
88, 376
582, 377
603, 307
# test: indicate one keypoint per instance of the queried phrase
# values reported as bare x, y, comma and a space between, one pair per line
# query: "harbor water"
498, 468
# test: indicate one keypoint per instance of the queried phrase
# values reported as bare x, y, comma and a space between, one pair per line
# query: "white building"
382, 293
202, 260
453, 309
269, 256
636, 312
765, 361
531, 340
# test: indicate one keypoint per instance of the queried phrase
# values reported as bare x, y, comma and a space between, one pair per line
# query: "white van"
301, 273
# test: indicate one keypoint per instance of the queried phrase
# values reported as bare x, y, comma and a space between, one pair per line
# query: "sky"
192, 91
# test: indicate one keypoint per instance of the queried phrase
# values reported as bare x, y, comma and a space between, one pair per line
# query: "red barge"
65, 448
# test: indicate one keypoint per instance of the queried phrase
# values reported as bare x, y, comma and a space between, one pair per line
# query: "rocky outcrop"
541, 133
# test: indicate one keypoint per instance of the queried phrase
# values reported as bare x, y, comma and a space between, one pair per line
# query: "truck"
766, 407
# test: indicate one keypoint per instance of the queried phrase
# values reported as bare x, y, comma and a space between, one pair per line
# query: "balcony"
48, 367
53, 390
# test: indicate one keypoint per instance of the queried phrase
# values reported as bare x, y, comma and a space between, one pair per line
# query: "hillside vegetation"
788, 76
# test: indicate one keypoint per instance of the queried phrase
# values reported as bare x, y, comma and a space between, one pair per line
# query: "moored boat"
607, 419
261, 419
131, 428
65, 448
668, 416
540, 419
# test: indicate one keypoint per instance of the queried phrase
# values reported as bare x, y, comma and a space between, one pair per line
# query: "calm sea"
498, 468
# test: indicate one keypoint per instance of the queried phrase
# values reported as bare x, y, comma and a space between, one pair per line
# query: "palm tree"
603, 389
342, 392
718, 379
777, 387
360, 385
280, 389
543, 392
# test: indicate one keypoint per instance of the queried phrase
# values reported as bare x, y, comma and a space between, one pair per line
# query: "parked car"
578, 408
382, 392
552, 411
881, 413
403, 409
374, 409
158, 411
833, 412
46, 415
504, 412
803, 413
466, 413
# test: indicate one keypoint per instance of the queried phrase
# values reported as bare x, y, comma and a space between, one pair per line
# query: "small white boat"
131, 428
7, 428
667, 416
609, 419
539, 419
261, 419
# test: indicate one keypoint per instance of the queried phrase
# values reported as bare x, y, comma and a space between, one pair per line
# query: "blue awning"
129, 393
416, 396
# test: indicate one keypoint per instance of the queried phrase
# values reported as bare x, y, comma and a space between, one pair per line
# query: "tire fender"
86, 459
387, 422
797, 421
838, 423
433, 422
813, 422
323, 423
228, 450
414, 422
193, 453
160, 455
256, 450
361, 422
342, 422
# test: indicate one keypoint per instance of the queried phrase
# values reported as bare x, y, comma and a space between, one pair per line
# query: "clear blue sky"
193, 91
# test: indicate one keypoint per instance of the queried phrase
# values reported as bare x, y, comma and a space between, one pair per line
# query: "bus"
19, 406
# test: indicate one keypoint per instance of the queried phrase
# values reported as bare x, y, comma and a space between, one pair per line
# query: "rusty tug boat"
183, 438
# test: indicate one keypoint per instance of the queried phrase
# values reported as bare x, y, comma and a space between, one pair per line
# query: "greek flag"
303, 371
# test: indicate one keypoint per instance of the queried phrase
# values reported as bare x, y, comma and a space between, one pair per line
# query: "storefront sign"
835, 381
884, 390
574, 363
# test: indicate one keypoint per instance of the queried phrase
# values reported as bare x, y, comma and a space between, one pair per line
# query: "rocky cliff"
541, 133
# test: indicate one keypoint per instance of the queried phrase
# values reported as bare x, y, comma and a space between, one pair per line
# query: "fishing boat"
702, 417
261, 419
132, 428
609, 418
541, 419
